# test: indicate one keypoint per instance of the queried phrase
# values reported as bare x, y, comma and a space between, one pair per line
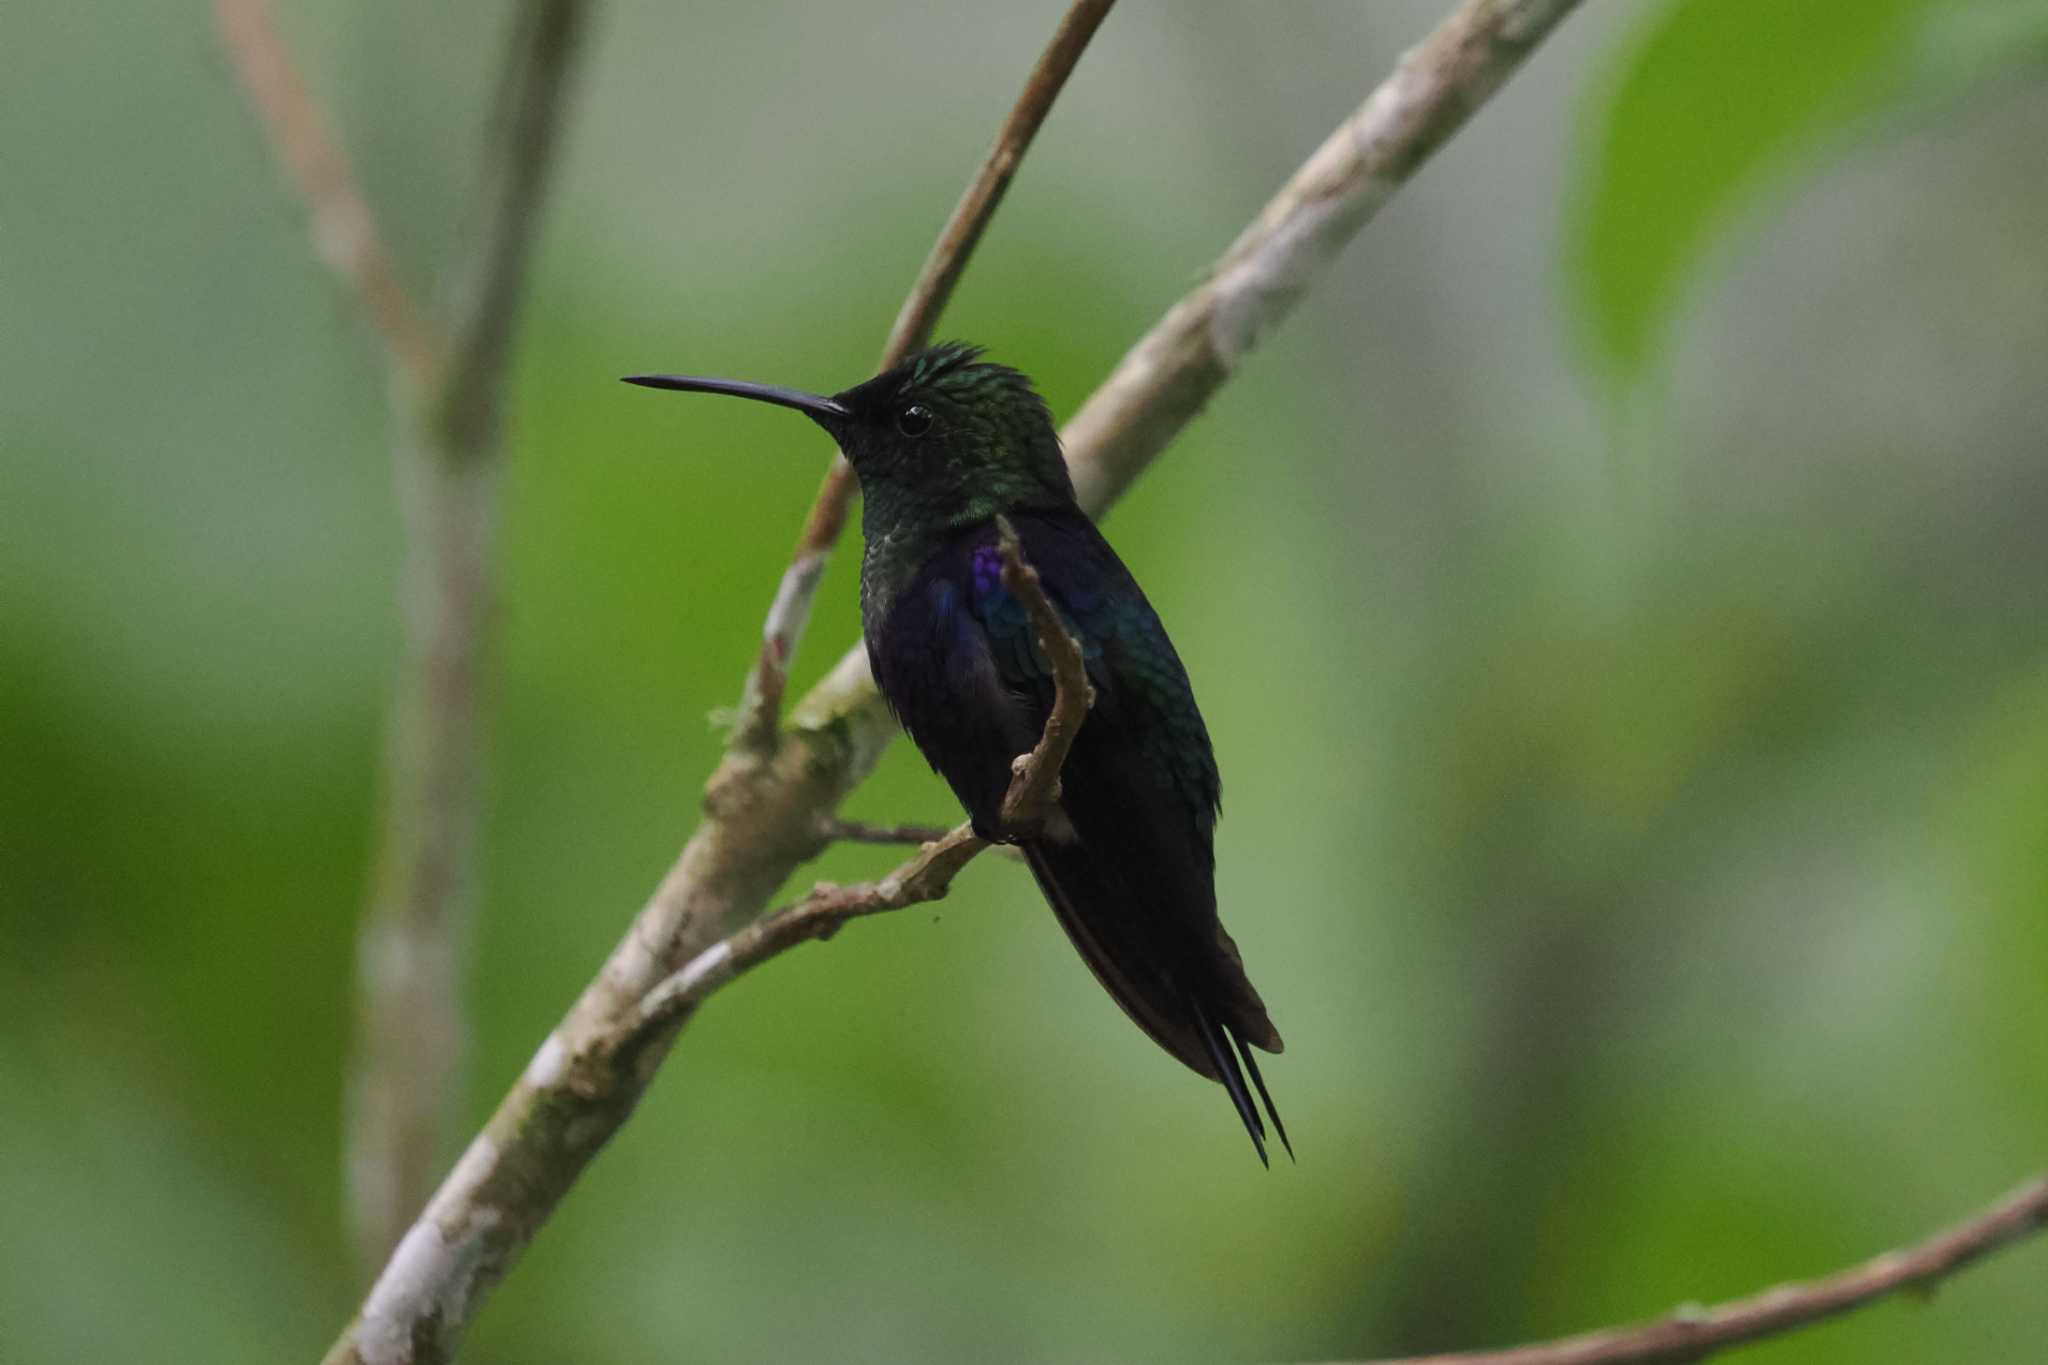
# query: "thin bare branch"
1035, 779
1695, 1334
760, 714
962, 232
926, 876
344, 230
1164, 381
764, 807
546, 43
863, 832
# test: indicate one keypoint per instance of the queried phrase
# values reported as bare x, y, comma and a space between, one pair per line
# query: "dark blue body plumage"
1130, 868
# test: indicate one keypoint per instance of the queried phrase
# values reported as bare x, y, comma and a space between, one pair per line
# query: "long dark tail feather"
1199, 1028
1252, 1067
1233, 1080
1087, 906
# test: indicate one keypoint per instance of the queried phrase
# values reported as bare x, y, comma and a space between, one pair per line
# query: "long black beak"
826, 410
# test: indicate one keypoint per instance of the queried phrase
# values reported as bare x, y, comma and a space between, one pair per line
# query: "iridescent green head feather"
944, 440
948, 438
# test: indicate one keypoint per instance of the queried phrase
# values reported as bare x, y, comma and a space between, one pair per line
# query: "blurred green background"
1617, 596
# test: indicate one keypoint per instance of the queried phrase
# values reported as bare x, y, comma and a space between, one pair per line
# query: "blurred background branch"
1695, 1333
449, 409
342, 225
1166, 379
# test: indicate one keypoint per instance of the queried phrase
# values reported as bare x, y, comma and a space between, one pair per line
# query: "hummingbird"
943, 444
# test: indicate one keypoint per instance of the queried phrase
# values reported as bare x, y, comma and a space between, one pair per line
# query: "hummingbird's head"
942, 439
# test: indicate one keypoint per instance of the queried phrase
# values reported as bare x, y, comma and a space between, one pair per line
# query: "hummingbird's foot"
1051, 826
1021, 765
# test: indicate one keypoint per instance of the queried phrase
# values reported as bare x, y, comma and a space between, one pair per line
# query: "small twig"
1695, 1335
344, 230
757, 722
862, 832
927, 876
1035, 779
760, 711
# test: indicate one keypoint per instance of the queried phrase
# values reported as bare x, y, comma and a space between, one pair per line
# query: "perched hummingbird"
942, 445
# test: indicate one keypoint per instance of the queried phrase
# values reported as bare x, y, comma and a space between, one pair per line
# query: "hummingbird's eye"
914, 420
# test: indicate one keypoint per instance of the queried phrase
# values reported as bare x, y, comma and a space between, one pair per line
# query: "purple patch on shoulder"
988, 570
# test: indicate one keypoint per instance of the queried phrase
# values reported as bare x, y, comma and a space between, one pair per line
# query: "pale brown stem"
1695, 1334
863, 832
978, 203
1035, 782
1164, 381
925, 877
760, 713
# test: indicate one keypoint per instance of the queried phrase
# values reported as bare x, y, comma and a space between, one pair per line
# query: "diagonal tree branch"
765, 807
411, 1033
984, 194
1696, 1334
1166, 379
760, 713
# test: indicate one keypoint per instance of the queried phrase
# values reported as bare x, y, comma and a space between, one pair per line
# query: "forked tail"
1190, 998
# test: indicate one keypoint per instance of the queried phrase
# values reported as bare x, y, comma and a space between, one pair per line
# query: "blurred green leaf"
1712, 101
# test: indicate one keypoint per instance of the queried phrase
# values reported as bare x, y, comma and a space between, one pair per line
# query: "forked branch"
1035, 778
